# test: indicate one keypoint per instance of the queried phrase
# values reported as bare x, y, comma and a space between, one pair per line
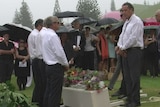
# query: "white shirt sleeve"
31, 46
58, 50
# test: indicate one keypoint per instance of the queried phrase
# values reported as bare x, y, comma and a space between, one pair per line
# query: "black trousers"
55, 75
39, 76
88, 62
131, 71
6, 69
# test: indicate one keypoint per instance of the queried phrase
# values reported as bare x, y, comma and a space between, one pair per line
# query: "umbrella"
150, 19
63, 29
148, 29
113, 14
116, 26
3, 30
84, 20
67, 14
106, 21
18, 31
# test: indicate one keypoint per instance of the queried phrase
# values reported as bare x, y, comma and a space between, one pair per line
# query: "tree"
17, 19
145, 2
113, 8
56, 8
89, 8
26, 16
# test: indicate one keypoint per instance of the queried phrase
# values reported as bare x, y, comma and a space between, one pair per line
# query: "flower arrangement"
85, 79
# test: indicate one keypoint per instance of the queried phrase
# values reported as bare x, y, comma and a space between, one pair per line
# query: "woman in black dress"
22, 65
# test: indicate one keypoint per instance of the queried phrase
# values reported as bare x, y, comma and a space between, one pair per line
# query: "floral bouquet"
86, 79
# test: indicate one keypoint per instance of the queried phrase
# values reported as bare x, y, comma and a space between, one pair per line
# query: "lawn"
150, 86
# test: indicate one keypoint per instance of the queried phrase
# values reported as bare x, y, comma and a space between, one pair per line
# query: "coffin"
74, 97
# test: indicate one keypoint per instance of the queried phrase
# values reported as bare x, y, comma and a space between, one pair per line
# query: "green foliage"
17, 19
56, 8
145, 11
25, 15
89, 8
10, 98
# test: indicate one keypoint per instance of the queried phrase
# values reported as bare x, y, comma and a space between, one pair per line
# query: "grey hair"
49, 21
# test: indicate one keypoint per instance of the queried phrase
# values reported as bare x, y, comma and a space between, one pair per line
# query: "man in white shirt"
56, 63
130, 44
38, 66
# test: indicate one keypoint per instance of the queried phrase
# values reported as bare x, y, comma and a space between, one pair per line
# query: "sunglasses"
56, 22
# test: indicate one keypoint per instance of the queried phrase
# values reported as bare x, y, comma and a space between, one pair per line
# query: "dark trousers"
88, 62
6, 69
39, 76
131, 71
119, 68
55, 74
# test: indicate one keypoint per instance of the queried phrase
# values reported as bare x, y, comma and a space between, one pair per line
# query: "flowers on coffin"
84, 79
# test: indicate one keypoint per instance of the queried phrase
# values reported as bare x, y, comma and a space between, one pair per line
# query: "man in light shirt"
130, 44
37, 63
56, 63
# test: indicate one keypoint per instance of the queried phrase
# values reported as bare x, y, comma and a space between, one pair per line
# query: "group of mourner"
51, 51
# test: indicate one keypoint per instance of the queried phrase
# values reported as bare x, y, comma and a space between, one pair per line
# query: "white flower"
101, 84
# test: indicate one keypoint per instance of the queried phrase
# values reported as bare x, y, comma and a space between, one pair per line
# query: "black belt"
133, 48
57, 64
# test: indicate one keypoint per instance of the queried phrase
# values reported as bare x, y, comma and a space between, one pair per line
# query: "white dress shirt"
132, 33
38, 42
52, 49
32, 43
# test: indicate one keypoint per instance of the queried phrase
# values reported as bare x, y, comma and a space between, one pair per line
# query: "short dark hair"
38, 22
87, 28
130, 6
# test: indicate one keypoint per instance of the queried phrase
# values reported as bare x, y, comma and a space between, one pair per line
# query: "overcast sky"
44, 8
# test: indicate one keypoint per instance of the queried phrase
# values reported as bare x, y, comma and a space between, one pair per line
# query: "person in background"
111, 49
56, 63
78, 44
7, 52
121, 93
89, 49
102, 48
65, 37
22, 64
130, 45
36, 60
151, 53
157, 16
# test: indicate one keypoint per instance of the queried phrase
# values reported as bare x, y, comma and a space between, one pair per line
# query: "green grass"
150, 86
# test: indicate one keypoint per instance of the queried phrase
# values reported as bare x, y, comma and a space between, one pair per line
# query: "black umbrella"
106, 21
3, 30
116, 26
17, 31
63, 29
84, 20
67, 14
